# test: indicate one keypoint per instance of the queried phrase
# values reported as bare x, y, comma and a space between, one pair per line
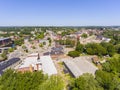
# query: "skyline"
59, 13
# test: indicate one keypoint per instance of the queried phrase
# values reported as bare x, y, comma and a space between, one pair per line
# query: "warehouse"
78, 66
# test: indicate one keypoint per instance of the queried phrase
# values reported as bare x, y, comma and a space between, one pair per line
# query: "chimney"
31, 68
38, 57
37, 65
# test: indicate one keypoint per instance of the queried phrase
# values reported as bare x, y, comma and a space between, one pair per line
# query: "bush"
10, 49
41, 45
79, 47
33, 47
74, 54
4, 55
84, 35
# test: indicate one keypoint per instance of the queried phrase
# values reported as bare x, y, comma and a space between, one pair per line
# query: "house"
4, 49
57, 50
106, 39
26, 39
44, 42
5, 42
99, 37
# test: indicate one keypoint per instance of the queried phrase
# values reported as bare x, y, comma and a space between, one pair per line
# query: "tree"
4, 55
41, 45
19, 42
95, 49
53, 83
29, 81
73, 54
79, 47
85, 82
109, 47
50, 41
33, 47
40, 36
108, 81
84, 35
117, 48
112, 65
67, 42
10, 49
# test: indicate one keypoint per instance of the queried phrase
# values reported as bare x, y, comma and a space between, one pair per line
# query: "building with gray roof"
79, 66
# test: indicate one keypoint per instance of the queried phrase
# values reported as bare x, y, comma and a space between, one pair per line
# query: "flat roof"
48, 66
3, 38
78, 66
7, 63
5, 47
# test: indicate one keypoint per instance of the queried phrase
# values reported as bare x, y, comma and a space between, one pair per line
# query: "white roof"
48, 66
3, 38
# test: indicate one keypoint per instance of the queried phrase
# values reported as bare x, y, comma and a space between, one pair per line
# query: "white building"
37, 63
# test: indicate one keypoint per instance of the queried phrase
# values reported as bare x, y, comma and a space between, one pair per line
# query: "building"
34, 62
5, 42
11, 63
99, 37
44, 42
4, 49
78, 66
107, 40
57, 51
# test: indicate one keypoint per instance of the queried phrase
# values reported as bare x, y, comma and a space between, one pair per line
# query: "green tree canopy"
95, 49
53, 83
85, 82
84, 35
74, 54
12, 80
108, 81
109, 47
79, 47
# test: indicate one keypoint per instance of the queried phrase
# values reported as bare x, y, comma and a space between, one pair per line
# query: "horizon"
60, 13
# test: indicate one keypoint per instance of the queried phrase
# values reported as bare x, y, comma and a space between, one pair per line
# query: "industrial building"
79, 66
34, 62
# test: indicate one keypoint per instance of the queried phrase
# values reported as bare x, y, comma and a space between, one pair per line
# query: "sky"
59, 12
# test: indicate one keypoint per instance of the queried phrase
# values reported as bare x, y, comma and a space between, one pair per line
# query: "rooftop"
3, 39
7, 63
78, 66
47, 65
